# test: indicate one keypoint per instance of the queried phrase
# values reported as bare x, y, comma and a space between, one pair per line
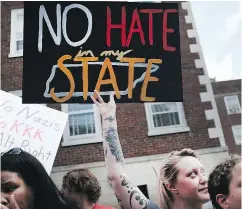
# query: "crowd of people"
183, 182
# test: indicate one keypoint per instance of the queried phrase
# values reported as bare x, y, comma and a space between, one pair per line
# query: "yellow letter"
107, 65
69, 76
84, 61
148, 78
131, 73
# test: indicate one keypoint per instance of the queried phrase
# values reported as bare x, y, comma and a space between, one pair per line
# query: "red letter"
27, 129
135, 18
110, 26
38, 133
151, 12
167, 30
15, 125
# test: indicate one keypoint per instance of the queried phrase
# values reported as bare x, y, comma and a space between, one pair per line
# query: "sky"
218, 26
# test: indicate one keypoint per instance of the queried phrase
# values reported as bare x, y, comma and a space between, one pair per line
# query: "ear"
222, 201
171, 188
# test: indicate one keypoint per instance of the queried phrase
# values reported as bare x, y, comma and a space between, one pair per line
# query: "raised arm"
128, 195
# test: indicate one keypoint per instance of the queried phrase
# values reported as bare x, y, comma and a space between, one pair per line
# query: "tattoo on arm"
117, 198
136, 194
110, 118
114, 144
135, 198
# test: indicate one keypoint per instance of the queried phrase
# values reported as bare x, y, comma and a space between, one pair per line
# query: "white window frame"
19, 94
227, 106
13, 47
85, 138
237, 141
166, 129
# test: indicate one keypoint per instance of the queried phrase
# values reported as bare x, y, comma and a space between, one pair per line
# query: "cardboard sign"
34, 128
73, 48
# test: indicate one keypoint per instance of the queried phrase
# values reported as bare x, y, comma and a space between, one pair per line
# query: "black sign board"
72, 48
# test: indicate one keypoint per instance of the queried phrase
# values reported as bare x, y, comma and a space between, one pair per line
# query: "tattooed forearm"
134, 192
128, 195
110, 118
136, 197
110, 135
117, 198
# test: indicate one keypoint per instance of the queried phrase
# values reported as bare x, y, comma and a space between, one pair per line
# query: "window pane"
237, 131
166, 119
157, 120
157, 108
231, 100
81, 124
20, 17
20, 23
19, 45
19, 36
163, 107
175, 118
232, 104
77, 107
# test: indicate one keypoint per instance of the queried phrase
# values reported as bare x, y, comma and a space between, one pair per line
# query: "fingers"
98, 96
95, 101
95, 96
111, 98
13, 203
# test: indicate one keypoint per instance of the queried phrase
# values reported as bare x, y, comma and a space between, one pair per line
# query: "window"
232, 104
17, 26
237, 133
83, 126
165, 118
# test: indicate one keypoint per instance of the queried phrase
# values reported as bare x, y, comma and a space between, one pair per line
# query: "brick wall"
11, 69
225, 87
132, 122
221, 89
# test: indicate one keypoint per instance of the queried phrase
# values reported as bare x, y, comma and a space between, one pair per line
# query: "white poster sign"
34, 128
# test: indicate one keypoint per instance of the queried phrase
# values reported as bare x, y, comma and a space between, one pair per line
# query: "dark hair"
220, 177
45, 193
84, 182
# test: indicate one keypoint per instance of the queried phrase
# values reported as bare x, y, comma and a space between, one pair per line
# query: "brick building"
147, 131
228, 99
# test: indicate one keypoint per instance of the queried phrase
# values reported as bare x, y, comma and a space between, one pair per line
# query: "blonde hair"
168, 175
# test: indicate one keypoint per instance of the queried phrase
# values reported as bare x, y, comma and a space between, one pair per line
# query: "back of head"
83, 182
46, 194
220, 177
168, 175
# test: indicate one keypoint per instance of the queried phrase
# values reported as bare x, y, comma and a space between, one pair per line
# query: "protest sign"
34, 128
72, 48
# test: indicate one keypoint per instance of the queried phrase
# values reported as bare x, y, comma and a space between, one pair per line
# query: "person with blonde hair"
183, 183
